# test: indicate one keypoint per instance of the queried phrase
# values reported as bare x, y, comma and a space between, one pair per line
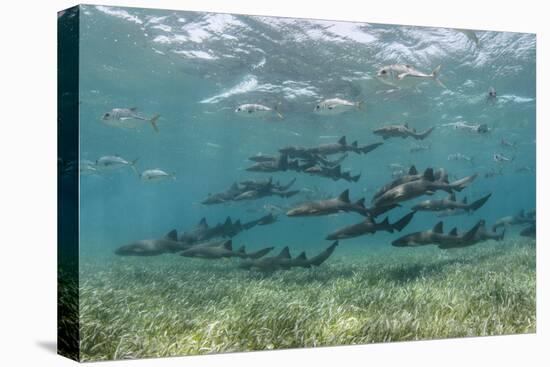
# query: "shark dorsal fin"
445, 178
202, 223
228, 221
302, 256
337, 170
354, 144
360, 202
429, 174
342, 140
452, 197
406, 125
228, 245
412, 170
385, 222
438, 228
241, 250
454, 232
238, 223
285, 253
172, 235
465, 200
344, 196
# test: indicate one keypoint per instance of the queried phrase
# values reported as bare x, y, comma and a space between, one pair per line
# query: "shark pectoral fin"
429, 192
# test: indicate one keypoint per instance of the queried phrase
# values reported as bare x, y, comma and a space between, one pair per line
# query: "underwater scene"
254, 183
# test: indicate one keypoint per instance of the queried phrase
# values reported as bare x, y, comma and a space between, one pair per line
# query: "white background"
28, 182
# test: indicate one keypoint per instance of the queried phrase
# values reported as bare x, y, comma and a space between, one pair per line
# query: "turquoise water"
194, 69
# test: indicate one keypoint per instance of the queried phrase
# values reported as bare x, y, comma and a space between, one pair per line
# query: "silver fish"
256, 110
155, 175
336, 106
128, 118
114, 162
406, 76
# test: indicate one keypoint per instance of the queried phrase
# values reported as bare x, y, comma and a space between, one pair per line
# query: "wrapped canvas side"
67, 184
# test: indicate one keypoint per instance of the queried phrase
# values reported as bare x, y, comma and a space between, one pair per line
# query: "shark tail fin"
501, 236
368, 148
461, 184
479, 203
153, 122
469, 236
435, 76
402, 223
423, 135
259, 253
319, 259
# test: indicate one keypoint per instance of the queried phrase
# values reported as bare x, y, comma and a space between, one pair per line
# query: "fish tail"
133, 166
276, 109
423, 135
435, 76
479, 203
153, 122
